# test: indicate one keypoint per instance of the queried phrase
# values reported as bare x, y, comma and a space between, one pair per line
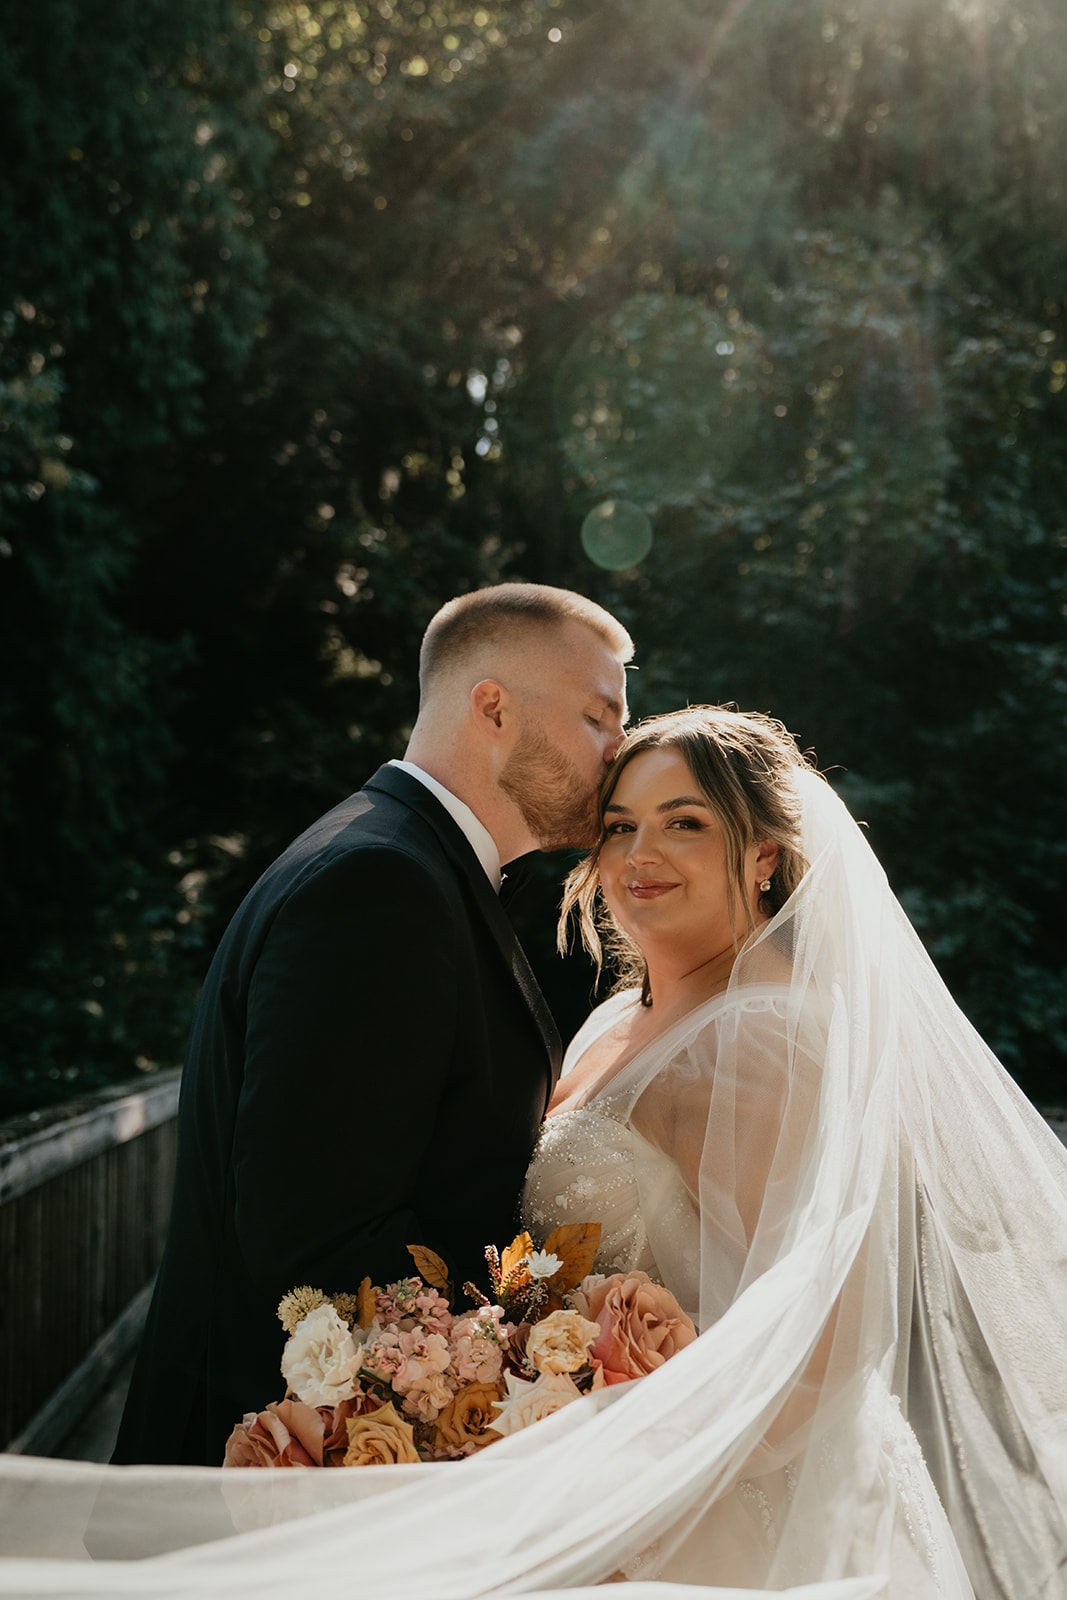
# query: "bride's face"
663, 865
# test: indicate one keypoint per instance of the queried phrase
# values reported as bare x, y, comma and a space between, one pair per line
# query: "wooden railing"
84, 1199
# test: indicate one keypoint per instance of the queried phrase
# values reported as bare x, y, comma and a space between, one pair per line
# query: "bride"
784, 1118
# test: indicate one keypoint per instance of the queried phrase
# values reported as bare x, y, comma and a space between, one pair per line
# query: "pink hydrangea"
427, 1398
431, 1311
423, 1376
478, 1343
381, 1354
397, 1300
423, 1353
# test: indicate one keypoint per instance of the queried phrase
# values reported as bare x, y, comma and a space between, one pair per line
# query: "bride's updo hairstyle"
743, 763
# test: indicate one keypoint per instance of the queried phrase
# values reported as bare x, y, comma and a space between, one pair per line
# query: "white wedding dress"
868, 1223
592, 1161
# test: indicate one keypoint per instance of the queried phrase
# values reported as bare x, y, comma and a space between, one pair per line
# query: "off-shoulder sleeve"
731, 1102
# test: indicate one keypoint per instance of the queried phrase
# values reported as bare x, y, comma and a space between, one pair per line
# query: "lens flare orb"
616, 535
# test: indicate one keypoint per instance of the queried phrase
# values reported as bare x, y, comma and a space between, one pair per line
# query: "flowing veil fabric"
878, 1232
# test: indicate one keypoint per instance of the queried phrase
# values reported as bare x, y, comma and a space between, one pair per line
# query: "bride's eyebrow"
667, 805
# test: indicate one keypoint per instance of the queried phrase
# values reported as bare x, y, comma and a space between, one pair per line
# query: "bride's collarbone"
597, 1064
603, 1058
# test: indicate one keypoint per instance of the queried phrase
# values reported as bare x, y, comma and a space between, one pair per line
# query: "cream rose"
560, 1342
530, 1402
320, 1362
380, 1439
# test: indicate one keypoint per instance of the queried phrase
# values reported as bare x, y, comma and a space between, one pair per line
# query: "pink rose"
291, 1434
641, 1325
287, 1434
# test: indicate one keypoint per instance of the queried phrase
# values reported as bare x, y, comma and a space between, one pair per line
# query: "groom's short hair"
484, 615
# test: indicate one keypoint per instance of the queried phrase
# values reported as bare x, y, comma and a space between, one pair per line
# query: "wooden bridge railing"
84, 1199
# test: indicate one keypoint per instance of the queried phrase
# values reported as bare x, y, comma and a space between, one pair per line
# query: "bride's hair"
743, 764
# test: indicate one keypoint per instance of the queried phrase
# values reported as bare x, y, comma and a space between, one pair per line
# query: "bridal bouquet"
394, 1374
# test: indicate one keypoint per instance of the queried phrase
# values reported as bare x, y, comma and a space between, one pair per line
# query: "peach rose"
467, 1424
380, 1439
560, 1342
641, 1325
530, 1402
287, 1434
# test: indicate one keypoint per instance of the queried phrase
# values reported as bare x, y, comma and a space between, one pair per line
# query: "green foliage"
110, 998
320, 312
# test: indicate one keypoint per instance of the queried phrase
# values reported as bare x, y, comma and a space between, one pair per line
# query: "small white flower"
542, 1264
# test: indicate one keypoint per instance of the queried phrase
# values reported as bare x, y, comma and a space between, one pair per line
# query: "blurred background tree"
745, 317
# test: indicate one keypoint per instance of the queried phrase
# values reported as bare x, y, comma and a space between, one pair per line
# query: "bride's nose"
643, 846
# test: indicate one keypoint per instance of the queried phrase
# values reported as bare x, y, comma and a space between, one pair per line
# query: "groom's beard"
560, 810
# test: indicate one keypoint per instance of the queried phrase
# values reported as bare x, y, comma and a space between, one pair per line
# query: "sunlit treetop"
333, 39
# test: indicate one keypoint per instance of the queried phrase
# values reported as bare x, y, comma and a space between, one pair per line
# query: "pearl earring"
765, 886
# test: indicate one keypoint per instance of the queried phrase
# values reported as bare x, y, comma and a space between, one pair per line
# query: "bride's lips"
649, 888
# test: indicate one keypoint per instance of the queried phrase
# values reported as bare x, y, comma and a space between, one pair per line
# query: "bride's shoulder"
764, 999
748, 1016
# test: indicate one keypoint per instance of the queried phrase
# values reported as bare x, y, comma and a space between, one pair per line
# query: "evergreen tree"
745, 319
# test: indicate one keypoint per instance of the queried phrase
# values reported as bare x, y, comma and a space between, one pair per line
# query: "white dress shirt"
477, 834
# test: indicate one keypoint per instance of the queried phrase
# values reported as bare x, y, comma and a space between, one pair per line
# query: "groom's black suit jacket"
368, 1068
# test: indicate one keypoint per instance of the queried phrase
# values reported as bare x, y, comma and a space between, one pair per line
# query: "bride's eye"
618, 827
690, 824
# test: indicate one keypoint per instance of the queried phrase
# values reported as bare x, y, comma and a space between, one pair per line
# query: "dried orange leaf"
366, 1303
432, 1269
576, 1244
515, 1254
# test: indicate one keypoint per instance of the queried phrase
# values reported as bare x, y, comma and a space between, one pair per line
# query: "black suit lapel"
415, 795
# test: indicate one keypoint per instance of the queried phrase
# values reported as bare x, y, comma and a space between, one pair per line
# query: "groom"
371, 1056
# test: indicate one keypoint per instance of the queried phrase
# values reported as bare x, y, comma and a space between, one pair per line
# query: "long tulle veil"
901, 1248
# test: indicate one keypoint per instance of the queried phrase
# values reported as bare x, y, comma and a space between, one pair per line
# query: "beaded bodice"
591, 1165
583, 1170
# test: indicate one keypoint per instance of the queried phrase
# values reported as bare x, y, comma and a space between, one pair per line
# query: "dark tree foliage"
314, 314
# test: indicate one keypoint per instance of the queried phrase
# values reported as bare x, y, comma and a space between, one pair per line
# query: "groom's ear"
489, 702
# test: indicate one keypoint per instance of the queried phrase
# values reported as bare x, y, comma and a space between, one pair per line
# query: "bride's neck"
677, 984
